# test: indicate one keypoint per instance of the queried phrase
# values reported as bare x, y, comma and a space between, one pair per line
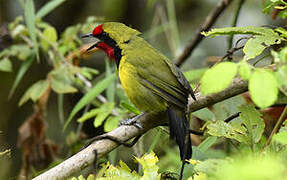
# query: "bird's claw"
132, 122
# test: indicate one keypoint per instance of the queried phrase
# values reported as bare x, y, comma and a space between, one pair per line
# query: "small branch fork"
86, 157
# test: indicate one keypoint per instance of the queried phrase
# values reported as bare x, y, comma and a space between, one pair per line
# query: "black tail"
178, 126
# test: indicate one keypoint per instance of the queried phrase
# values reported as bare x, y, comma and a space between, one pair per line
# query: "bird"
151, 81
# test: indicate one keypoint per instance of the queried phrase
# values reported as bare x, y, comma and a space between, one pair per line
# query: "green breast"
142, 97
147, 77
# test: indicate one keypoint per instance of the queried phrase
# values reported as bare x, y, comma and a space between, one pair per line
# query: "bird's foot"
132, 122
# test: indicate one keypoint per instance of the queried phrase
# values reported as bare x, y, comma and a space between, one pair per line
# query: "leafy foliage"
35, 91
148, 162
261, 39
263, 85
94, 92
279, 5
253, 123
222, 129
242, 167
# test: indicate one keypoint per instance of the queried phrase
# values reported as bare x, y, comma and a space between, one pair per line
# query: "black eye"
126, 42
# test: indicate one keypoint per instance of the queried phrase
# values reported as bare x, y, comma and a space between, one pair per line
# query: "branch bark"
208, 22
86, 157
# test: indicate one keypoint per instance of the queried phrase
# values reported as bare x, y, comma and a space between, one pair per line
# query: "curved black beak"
87, 35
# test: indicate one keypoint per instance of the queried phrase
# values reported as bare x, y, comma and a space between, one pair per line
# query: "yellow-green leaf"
35, 91
218, 77
129, 107
88, 115
207, 143
150, 169
62, 87
61, 81
111, 123
5, 65
244, 70
263, 88
253, 122
48, 7
105, 110
29, 13
93, 93
222, 129
23, 69
50, 35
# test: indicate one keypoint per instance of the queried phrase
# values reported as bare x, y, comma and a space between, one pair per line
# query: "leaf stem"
277, 126
80, 126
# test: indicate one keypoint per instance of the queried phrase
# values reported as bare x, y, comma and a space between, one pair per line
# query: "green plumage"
151, 81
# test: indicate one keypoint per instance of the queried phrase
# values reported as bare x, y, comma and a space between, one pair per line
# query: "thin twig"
227, 120
86, 157
80, 125
234, 22
230, 52
208, 22
277, 125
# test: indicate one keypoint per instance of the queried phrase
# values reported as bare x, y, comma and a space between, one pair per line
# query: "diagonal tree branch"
208, 22
86, 157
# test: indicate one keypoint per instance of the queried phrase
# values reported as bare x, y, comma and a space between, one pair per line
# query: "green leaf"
62, 87
91, 177
282, 31
240, 30
222, 129
105, 110
263, 88
60, 81
23, 69
48, 7
88, 115
150, 169
281, 137
129, 107
253, 122
195, 74
39, 89
5, 65
252, 166
155, 140
283, 54
29, 13
204, 114
255, 46
18, 30
120, 172
35, 91
88, 72
91, 95
218, 77
263, 38
81, 177
207, 143
209, 166
244, 70
111, 123
50, 35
